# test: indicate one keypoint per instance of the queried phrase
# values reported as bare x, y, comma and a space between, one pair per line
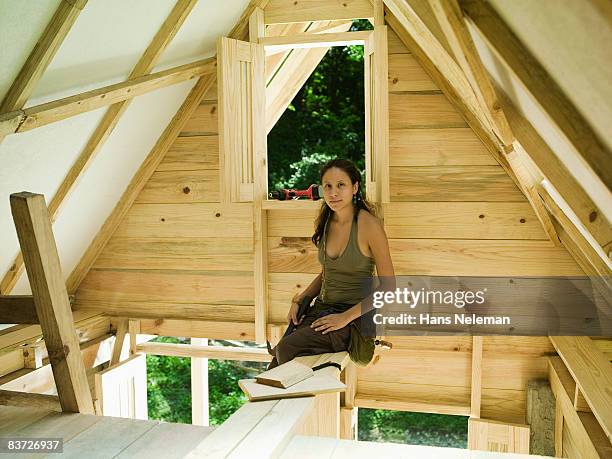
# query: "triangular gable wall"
179, 254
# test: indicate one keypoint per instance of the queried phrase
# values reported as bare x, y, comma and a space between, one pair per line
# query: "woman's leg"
307, 341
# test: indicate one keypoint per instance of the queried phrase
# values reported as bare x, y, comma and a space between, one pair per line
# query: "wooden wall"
453, 211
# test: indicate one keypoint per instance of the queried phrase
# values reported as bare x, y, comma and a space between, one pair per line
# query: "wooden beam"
240, 31
122, 329
133, 330
567, 419
310, 40
30, 400
451, 21
139, 180
451, 79
51, 299
592, 373
200, 406
248, 354
42, 54
553, 169
17, 309
51, 112
542, 86
146, 63
287, 11
476, 386
589, 247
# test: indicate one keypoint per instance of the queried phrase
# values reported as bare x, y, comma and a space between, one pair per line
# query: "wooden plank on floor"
453, 183
166, 441
13, 418
106, 438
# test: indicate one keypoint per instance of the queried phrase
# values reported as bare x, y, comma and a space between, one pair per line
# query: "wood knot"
163, 219
218, 214
593, 216
186, 190
522, 220
295, 3
302, 250
395, 80
60, 354
481, 216
213, 109
158, 322
299, 285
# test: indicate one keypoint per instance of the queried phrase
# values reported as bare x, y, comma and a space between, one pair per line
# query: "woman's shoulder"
371, 224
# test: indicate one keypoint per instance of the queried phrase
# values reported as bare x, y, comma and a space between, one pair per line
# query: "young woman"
351, 242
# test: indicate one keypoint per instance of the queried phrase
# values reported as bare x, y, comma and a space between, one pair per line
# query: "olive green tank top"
347, 279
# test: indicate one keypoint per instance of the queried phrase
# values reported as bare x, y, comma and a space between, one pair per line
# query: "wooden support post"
133, 330
122, 329
51, 299
476, 389
558, 428
199, 386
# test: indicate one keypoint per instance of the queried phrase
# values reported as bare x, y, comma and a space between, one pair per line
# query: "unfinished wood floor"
88, 436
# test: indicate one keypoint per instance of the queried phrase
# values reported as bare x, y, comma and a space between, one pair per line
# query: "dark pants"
307, 341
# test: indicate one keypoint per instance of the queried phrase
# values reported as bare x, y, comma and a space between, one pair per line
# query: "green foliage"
169, 386
412, 428
325, 120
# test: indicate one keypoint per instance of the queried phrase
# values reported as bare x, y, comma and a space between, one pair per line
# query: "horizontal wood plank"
192, 153
177, 187
288, 11
199, 328
207, 254
203, 121
437, 147
410, 110
168, 309
405, 74
293, 223
394, 44
187, 220
212, 287
462, 220
441, 257
453, 183
281, 288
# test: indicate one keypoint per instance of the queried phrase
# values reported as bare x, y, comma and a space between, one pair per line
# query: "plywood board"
318, 384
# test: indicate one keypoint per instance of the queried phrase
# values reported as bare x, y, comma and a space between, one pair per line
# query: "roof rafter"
39, 59
57, 110
146, 63
542, 87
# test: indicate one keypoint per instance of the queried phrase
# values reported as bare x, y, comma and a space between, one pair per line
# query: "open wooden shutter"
376, 115
121, 389
242, 133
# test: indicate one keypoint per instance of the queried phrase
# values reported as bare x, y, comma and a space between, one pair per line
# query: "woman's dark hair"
360, 201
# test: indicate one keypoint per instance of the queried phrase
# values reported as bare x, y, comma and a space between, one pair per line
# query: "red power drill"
313, 192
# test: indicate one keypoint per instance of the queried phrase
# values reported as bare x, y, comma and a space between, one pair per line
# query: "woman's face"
337, 189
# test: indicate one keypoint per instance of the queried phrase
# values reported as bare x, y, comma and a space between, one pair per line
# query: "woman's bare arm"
312, 290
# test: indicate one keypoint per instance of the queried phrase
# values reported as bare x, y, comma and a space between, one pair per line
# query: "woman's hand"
331, 322
292, 314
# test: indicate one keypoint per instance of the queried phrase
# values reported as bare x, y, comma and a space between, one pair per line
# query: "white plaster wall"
104, 44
